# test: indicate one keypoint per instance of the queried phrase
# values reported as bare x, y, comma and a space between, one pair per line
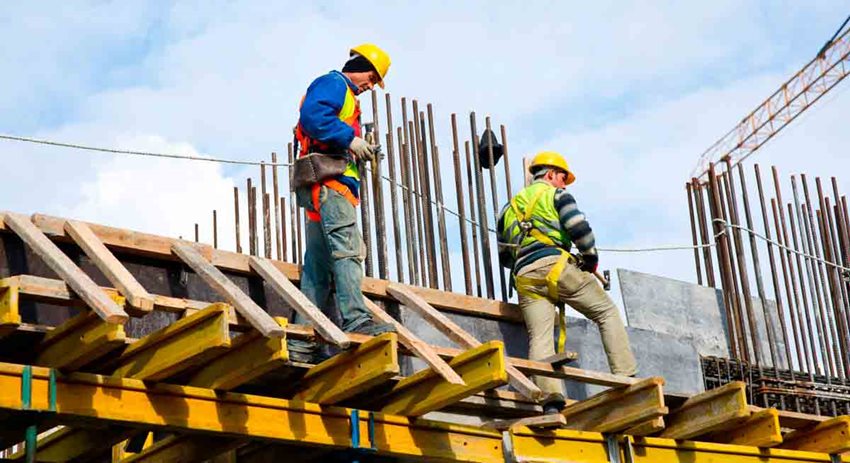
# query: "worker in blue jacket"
329, 123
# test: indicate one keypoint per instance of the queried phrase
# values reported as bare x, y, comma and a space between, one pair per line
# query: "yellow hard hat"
552, 159
379, 58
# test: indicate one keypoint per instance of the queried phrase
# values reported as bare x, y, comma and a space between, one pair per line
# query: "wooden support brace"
618, 409
10, 316
184, 344
419, 347
137, 297
458, 335
326, 328
714, 410
184, 448
79, 342
481, 368
249, 309
352, 372
65, 268
76, 444
761, 429
831, 436
250, 356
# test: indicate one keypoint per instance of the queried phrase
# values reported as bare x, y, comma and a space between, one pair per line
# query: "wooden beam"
10, 316
618, 409
115, 272
249, 309
352, 372
299, 302
831, 436
647, 428
761, 429
65, 268
184, 448
76, 444
183, 344
481, 368
721, 408
458, 335
418, 347
79, 342
250, 356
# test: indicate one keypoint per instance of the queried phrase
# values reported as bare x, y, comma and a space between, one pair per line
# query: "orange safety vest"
350, 114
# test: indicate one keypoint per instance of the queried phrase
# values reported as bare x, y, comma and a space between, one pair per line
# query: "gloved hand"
589, 263
362, 150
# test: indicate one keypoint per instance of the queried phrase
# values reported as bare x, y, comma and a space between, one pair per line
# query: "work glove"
589, 263
362, 150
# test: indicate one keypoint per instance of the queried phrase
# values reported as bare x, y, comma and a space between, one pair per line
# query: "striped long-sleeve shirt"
573, 223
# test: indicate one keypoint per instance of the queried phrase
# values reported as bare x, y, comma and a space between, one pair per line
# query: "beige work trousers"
582, 292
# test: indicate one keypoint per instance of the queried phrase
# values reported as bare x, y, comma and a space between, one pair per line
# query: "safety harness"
551, 280
336, 185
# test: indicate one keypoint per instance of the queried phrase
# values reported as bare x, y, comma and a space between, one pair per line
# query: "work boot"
554, 403
303, 351
373, 328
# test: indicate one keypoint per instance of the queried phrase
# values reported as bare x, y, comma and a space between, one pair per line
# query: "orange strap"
335, 185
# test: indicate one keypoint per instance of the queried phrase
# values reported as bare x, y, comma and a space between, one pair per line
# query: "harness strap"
551, 282
335, 185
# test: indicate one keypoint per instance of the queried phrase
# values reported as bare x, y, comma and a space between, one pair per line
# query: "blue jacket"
321, 107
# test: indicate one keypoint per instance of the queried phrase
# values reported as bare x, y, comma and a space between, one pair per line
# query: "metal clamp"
508, 447
355, 432
613, 448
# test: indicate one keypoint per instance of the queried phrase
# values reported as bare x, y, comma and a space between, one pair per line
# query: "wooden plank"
66, 269
761, 429
183, 344
708, 412
10, 316
458, 335
298, 301
618, 409
796, 420
106, 262
418, 347
831, 436
481, 368
250, 356
551, 420
352, 372
249, 309
647, 428
182, 448
79, 342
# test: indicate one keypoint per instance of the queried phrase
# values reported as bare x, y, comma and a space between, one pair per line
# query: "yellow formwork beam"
831, 436
572, 446
619, 408
188, 342
352, 372
127, 402
761, 429
708, 412
80, 341
184, 448
250, 356
10, 315
481, 368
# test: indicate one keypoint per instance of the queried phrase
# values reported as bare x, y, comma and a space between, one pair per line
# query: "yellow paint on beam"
79, 342
618, 409
831, 436
761, 429
250, 356
708, 412
647, 428
351, 372
481, 368
10, 316
186, 343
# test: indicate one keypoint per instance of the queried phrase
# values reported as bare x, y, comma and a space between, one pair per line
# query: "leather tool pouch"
316, 168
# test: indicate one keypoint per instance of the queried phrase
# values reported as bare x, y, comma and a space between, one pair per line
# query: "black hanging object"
488, 139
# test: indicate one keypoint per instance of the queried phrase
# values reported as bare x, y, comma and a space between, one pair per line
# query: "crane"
800, 92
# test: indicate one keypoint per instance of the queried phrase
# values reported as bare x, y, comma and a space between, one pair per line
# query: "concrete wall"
692, 313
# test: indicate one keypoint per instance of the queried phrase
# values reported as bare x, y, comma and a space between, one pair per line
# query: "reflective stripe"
533, 206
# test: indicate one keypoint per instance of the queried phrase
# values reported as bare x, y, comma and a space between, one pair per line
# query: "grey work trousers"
580, 291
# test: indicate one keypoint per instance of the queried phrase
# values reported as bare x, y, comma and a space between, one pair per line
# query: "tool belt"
551, 282
315, 168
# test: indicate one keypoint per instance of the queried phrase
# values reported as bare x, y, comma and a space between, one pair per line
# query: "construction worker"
329, 124
537, 229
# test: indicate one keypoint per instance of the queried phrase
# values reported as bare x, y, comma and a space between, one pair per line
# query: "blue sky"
631, 92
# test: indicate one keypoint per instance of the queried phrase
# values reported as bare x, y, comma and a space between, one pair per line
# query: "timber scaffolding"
212, 378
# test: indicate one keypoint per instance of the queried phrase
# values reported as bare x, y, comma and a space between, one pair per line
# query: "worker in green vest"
537, 230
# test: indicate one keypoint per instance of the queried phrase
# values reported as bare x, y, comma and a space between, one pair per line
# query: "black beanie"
357, 63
